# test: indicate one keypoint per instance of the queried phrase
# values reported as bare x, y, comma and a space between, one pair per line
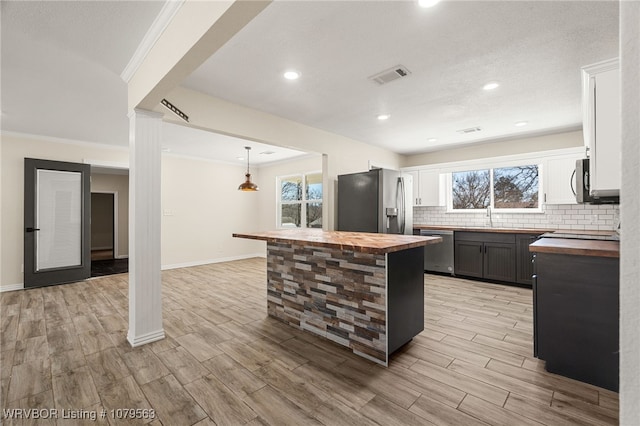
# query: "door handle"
404, 207
32, 229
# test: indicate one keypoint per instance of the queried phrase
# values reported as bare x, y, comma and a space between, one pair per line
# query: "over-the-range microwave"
582, 191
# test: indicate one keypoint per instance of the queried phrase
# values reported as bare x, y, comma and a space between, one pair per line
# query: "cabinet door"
431, 188
602, 132
524, 265
416, 188
468, 258
560, 181
577, 311
499, 261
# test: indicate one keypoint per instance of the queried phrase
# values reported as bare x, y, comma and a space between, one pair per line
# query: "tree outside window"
471, 190
516, 187
501, 188
300, 201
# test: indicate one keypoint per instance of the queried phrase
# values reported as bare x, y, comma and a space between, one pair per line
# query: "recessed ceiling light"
428, 3
166, 149
383, 117
521, 123
240, 158
292, 75
432, 140
491, 85
267, 152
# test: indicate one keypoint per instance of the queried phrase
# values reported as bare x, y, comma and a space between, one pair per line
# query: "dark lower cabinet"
498, 261
487, 255
469, 258
576, 310
524, 258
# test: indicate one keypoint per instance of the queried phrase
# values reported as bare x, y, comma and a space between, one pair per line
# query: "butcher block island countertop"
355, 241
362, 291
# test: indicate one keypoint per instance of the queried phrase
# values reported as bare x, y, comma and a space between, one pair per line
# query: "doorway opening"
102, 226
105, 259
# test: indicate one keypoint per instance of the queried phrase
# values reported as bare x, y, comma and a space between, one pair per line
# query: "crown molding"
156, 29
54, 139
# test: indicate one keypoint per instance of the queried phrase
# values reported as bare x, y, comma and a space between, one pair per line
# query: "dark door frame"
33, 278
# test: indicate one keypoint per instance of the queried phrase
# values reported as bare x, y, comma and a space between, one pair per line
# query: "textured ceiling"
534, 49
61, 65
198, 143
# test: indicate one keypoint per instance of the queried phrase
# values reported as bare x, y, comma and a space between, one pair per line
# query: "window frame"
304, 202
449, 194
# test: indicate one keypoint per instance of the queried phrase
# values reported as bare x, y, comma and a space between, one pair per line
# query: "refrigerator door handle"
401, 204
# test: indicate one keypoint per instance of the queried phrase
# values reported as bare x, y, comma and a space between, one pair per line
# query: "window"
300, 201
500, 188
471, 190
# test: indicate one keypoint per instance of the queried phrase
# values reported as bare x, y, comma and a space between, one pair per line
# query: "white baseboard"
101, 248
11, 287
121, 256
145, 338
209, 261
20, 286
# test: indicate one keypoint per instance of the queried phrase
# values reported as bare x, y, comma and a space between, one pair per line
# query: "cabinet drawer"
485, 237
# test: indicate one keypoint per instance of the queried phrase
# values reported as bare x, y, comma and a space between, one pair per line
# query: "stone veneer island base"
363, 291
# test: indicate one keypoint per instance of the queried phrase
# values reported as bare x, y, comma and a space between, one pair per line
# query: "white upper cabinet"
601, 126
428, 187
559, 179
416, 187
431, 188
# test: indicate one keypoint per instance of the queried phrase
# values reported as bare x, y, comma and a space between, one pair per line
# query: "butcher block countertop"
355, 241
470, 229
596, 248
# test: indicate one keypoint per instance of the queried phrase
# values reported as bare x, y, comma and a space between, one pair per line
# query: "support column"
630, 204
145, 298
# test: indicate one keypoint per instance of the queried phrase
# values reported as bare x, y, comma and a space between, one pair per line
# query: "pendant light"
248, 185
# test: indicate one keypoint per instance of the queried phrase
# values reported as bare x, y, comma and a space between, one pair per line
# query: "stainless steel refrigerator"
379, 200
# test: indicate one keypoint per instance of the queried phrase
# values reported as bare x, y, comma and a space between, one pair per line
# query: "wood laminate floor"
225, 362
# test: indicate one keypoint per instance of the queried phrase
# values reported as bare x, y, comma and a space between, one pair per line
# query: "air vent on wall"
390, 75
470, 130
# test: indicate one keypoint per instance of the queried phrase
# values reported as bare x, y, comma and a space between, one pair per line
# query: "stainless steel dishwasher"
439, 257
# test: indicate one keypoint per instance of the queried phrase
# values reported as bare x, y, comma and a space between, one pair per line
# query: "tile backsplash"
604, 217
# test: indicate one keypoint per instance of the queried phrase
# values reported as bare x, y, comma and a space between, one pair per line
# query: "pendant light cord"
248, 150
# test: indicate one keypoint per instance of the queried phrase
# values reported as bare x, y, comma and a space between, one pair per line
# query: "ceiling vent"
470, 130
391, 74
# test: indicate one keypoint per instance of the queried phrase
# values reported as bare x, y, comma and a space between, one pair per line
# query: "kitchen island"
363, 291
576, 308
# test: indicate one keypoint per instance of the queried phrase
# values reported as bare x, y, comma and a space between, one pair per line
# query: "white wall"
498, 148
202, 208
120, 185
14, 150
630, 196
344, 155
269, 190
202, 196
